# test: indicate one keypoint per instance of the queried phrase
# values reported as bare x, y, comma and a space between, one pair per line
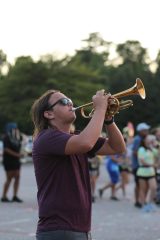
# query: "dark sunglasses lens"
65, 101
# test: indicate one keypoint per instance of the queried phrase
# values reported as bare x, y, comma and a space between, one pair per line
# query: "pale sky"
37, 27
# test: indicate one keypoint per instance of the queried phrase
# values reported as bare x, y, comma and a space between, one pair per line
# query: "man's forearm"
94, 128
116, 140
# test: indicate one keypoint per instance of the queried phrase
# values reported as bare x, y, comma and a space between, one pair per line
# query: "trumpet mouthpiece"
73, 109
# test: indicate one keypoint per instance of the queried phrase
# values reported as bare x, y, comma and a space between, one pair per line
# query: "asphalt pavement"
111, 220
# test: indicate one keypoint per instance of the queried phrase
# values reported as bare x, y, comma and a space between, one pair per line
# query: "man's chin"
73, 119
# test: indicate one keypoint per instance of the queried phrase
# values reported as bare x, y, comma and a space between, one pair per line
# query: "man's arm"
85, 141
115, 142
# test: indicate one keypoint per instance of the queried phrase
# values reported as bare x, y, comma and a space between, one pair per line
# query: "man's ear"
49, 115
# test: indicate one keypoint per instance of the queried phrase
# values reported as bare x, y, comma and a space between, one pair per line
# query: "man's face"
144, 132
61, 108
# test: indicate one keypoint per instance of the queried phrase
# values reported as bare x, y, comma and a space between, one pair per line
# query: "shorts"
12, 166
113, 171
63, 235
94, 173
123, 169
114, 176
146, 178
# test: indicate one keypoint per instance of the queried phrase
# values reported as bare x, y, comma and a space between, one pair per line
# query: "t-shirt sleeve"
141, 153
52, 142
96, 147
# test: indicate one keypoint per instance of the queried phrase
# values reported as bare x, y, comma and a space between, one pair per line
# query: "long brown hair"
37, 112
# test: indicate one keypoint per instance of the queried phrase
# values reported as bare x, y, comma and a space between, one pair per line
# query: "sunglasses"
62, 101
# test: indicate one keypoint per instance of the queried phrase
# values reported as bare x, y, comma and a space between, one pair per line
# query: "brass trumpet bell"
115, 105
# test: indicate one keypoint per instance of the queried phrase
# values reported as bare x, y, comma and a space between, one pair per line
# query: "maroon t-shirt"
64, 194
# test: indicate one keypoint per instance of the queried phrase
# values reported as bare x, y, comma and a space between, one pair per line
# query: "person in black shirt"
11, 160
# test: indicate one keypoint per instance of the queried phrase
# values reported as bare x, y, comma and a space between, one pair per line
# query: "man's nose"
70, 104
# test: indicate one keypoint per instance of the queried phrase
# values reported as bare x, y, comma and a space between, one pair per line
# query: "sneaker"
5, 199
138, 205
114, 198
93, 199
100, 193
16, 199
152, 207
146, 208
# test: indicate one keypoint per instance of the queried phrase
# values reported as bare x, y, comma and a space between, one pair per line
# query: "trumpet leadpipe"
79, 107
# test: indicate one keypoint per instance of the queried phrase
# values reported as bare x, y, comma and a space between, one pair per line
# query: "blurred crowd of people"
141, 162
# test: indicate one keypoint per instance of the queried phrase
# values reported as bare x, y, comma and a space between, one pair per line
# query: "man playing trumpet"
61, 163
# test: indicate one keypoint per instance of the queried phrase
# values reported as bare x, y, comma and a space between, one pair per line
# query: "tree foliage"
79, 77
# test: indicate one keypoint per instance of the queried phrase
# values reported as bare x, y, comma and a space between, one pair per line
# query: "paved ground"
110, 220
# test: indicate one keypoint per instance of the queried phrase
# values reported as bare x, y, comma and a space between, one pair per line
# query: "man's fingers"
100, 92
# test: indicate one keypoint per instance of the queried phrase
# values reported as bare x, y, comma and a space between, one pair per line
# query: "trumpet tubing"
115, 105
137, 89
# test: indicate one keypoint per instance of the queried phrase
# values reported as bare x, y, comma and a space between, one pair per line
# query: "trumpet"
115, 105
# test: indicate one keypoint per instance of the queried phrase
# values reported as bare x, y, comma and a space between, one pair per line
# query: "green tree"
93, 55
134, 64
79, 77
18, 90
